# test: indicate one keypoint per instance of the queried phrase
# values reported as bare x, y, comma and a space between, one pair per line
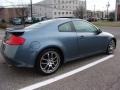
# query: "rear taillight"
15, 40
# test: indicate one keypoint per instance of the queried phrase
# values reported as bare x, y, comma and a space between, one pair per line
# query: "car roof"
65, 19
51, 22
60, 20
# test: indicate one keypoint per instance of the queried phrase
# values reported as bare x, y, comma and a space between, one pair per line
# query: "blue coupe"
48, 44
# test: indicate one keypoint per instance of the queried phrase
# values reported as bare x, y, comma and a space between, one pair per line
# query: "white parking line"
54, 79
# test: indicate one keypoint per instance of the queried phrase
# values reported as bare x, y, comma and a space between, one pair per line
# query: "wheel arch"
60, 51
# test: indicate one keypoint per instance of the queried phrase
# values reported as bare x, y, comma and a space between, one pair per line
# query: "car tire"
48, 61
111, 47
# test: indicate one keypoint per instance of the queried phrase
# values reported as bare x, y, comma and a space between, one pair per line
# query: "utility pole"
31, 8
85, 14
23, 16
116, 11
108, 5
94, 12
94, 9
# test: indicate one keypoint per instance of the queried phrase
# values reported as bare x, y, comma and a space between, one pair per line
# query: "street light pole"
108, 5
85, 9
116, 11
31, 8
94, 12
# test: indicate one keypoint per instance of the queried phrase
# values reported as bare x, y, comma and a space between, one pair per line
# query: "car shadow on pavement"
28, 76
63, 69
81, 62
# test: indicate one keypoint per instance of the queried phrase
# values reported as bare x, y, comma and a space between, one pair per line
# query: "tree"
112, 16
20, 9
22, 12
79, 12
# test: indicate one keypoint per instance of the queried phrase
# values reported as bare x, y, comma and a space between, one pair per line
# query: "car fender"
38, 47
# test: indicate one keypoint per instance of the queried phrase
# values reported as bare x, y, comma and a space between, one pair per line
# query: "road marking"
62, 76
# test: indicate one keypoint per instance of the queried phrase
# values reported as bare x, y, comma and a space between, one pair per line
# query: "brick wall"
8, 13
2, 13
118, 12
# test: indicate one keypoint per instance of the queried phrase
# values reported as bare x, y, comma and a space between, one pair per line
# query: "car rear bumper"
9, 54
15, 62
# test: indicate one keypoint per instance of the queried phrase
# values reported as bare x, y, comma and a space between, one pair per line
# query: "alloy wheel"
50, 62
111, 47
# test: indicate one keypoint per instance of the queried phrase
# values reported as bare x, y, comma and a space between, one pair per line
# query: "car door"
68, 38
89, 42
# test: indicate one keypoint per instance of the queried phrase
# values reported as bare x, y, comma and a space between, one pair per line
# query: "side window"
66, 27
83, 26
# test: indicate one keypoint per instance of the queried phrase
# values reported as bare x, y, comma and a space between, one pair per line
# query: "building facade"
13, 12
117, 14
57, 8
99, 14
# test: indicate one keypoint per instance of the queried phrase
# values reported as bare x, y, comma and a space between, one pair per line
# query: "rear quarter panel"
39, 39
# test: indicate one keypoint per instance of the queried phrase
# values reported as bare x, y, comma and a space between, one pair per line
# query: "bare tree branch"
79, 12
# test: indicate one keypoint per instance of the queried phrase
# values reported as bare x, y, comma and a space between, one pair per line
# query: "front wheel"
111, 47
49, 61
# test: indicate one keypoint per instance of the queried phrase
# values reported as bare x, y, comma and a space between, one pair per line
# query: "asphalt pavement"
103, 76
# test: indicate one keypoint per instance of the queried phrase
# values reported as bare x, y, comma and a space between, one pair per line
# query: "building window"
73, 7
62, 6
66, 12
69, 2
54, 13
58, 1
66, 2
59, 13
76, 2
69, 12
62, 12
54, 6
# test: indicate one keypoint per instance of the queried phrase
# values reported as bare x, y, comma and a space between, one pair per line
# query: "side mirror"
98, 31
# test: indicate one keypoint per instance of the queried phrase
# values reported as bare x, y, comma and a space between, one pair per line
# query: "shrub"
3, 25
3, 21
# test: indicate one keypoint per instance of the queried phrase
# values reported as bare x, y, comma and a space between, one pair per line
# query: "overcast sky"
100, 4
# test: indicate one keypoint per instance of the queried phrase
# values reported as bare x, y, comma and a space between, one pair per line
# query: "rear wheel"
49, 61
111, 47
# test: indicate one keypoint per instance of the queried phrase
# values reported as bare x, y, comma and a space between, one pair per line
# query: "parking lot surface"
103, 76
